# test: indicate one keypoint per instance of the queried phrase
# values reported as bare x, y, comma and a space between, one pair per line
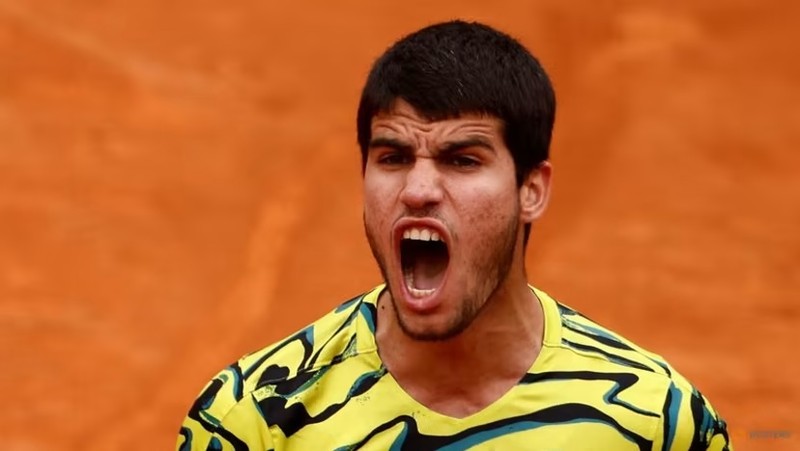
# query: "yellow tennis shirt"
326, 388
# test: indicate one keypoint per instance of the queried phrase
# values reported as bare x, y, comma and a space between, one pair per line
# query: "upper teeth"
421, 233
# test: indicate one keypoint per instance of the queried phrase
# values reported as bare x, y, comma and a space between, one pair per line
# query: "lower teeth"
420, 293
417, 293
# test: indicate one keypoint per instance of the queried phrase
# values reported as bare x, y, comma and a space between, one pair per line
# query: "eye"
394, 159
462, 161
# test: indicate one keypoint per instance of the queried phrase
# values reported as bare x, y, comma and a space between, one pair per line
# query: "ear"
535, 192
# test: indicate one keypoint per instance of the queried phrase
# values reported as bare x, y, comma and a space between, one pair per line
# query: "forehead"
403, 120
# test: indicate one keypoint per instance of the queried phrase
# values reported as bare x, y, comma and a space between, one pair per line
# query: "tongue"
428, 268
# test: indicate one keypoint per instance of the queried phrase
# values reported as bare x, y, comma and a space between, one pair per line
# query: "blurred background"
180, 185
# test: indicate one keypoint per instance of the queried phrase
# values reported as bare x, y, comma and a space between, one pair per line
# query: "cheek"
376, 205
372, 213
489, 203
369, 192
376, 183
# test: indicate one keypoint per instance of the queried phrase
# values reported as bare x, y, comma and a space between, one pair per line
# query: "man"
455, 351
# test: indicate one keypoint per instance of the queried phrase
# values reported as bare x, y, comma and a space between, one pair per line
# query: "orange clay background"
180, 184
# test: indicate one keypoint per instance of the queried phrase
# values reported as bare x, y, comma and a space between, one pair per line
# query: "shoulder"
328, 340
686, 419
230, 400
587, 338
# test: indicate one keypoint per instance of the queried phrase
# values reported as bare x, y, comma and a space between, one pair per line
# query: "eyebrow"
446, 148
466, 143
391, 143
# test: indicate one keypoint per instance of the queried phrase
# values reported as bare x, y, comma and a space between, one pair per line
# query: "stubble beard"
493, 270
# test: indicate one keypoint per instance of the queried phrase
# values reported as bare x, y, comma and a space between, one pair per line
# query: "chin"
429, 327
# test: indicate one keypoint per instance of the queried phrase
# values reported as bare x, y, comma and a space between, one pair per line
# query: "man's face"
442, 216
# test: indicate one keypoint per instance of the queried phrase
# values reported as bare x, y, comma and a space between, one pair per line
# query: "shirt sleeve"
689, 422
224, 418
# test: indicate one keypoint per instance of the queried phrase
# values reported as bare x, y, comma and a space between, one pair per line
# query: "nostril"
422, 187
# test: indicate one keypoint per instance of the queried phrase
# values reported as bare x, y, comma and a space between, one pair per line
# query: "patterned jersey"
326, 388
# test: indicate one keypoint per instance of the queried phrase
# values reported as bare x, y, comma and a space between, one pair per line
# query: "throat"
449, 389
426, 274
424, 264
441, 375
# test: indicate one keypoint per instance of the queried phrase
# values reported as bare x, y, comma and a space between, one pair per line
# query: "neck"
497, 349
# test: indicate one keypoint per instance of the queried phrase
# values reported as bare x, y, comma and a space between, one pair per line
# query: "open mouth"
424, 257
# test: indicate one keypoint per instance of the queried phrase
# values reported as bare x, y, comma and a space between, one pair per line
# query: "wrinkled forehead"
403, 120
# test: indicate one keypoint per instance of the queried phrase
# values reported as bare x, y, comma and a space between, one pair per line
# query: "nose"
422, 186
